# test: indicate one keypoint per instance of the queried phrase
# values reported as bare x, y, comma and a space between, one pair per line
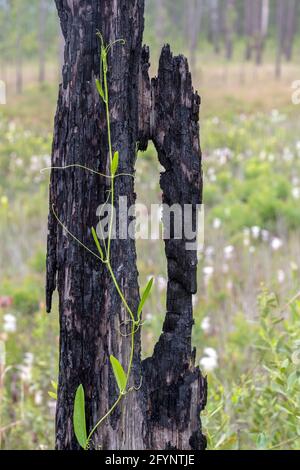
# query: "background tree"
42, 42
291, 25
193, 26
229, 27
280, 18
214, 24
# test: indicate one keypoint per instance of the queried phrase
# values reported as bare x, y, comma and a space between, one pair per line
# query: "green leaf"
53, 395
119, 373
96, 240
79, 417
54, 384
145, 297
261, 441
104, 59
100, 89
115, 163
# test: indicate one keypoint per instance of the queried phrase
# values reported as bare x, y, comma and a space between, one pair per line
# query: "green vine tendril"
104, 256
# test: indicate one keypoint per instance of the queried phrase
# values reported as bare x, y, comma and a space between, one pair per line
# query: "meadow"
247, 310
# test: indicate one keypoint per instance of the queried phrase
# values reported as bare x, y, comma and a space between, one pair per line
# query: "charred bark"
175, 388
89, 307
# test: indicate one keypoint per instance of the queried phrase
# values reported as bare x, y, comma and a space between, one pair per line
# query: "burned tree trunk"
165, 411
175, 388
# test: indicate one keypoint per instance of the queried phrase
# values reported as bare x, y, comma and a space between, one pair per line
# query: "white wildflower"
10, 323
265, 235
217, 223
263, 155
288, 155
281, 276
271, 158
209, 362
209, 252
161, 283
225, 268
25, 372
255, 232
208, 272
228, 252
52, 407
2, 353
246, 233
38, 397
276, 244
28, 358
205, 325
19, 162
35, 163
211, 352
296, 193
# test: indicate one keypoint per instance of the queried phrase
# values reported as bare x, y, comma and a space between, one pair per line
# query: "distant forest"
252, 30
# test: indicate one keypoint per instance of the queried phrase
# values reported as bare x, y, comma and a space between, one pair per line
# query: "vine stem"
108, 249
120, 292
107, 259
77, 165
103, 419
112, 186
121, 395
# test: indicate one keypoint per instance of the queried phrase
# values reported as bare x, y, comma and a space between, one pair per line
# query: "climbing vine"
122, 376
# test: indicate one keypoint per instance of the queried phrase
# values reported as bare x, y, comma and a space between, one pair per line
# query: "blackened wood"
144, 100
175, 387
164, 413
90, 309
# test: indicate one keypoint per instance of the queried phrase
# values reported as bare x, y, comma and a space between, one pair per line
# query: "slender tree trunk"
160, 19
19, 64
194, 14
291, 9
165, 411
280, 36
229, 28
249, 29
215, 24
42, 42
260, 29
256, 27
257, 33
